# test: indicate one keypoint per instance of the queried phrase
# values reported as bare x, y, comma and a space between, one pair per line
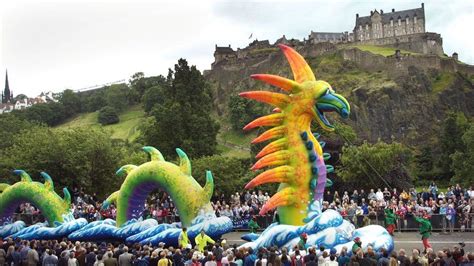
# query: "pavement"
405, 240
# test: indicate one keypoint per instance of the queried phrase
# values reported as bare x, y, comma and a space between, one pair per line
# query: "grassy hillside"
127, 129
230, 143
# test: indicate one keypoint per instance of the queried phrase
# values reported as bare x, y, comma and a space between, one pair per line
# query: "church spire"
7, 95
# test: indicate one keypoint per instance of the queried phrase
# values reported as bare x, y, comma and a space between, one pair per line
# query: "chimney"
381, 12
423, 5
393, 9
371, 12
357, 15
229, 45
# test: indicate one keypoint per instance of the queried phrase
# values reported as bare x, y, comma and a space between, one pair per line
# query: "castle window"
360, 27
391, 22
414, 20
399, 22
408, 21
367, 26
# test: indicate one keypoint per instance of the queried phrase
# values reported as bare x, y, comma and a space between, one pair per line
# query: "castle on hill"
403, 29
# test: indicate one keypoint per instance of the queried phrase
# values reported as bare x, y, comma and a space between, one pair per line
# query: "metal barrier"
439, 222
461, 223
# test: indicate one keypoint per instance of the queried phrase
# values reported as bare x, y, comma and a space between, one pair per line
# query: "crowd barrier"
439, 222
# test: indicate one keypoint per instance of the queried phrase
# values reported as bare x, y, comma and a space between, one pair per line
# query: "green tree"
10, 125
230, 174
50, 114
116, 96
138, 84
108, 115
242, 111
75, 157
376, 164
463, 160
152, 97
452, 130
184, 118
71, 102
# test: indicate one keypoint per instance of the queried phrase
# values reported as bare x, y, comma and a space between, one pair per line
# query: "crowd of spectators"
66, 253
456, 205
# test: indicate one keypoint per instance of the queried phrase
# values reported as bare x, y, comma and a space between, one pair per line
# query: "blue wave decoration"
214, 227
60, 231
101, 228
327, 229
29, 229
10, 229
135, 228
250, 237
149, 233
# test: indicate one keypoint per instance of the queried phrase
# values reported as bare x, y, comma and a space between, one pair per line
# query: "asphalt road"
407, 240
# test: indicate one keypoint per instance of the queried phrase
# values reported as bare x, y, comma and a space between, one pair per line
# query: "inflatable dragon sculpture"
188, 196
294, 157
51, 205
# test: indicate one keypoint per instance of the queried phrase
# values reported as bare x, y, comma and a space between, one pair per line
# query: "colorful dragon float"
191, 200
295, 159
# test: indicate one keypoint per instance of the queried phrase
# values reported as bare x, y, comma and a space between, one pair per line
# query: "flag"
251, 34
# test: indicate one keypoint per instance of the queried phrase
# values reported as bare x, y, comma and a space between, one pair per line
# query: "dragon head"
327, 100
312, 97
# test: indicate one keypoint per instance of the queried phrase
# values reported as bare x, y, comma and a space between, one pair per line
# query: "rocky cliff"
401, 97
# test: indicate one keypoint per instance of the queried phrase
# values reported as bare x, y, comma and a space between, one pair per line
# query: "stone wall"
423, 43
398, 66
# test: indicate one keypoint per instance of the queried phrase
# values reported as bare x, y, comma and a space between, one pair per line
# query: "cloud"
75, 44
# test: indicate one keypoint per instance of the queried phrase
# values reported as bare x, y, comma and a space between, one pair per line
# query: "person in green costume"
425, 229
390, 220
253, 226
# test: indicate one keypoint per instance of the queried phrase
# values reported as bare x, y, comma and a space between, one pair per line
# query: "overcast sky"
55, 45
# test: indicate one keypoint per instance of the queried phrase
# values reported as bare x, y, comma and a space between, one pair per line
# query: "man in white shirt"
379, 195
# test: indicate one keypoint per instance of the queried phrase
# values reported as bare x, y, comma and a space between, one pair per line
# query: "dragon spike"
322, 143
3, 186
326, 156
25, 177
110, 199
301, 70
48, 181
277, 81
272, 133
273, 98
276, 110
328, 182
329, 168
125, 170
184, 163
281, 174
209, 187
277, 145
155, 154
268, 120
67, 198
273, 159
283, 197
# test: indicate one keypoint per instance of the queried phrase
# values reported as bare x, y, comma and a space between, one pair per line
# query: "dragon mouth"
331, 102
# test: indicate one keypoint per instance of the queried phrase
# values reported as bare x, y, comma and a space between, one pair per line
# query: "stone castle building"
396, 23
403, 30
